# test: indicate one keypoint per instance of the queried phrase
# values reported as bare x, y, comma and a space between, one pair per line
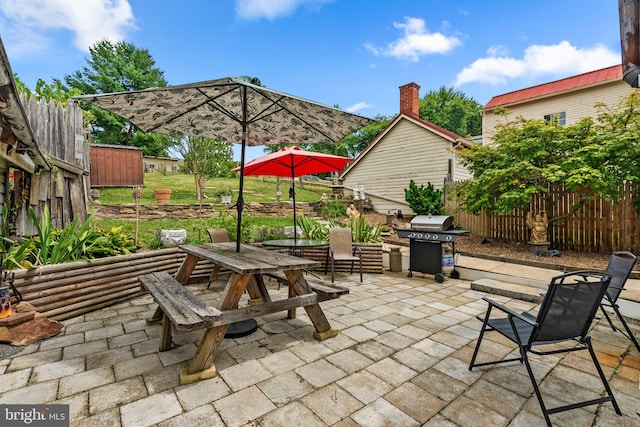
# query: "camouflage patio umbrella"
231, 109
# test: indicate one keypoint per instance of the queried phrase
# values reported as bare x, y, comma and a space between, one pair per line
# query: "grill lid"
432, 222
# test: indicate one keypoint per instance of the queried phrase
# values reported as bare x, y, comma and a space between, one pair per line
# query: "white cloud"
357, 107
561, 59
416, 41
273, 9
31, 23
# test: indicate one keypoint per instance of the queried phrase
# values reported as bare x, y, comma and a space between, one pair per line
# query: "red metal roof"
573, 82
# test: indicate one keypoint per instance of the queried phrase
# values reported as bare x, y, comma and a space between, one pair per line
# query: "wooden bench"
325, 289
182, 309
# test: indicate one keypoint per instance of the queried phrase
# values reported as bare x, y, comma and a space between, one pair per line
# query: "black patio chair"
620, 266
566, 313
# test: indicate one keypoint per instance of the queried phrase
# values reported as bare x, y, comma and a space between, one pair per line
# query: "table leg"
299, 284
257, 290
291, 314
182, 276
202, 366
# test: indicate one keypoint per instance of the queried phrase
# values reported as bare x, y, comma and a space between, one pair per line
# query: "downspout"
629, 11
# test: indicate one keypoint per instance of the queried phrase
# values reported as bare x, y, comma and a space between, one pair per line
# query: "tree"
55, 91
204, 158
354, 143
529, 157
350, 146
119, 67
452, 110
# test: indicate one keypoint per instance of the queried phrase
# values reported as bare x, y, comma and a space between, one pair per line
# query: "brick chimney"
409, 100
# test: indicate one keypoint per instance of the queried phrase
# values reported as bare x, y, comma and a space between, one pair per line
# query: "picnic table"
181, 310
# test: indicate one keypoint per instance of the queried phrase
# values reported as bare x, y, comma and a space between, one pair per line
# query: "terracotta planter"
163, 196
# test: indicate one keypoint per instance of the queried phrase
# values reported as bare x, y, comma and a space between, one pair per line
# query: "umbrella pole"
293, 186
240, 202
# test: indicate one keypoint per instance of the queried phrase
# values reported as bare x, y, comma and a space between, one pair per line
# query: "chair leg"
331, 269
361, 269
605, 383
326, 262
536, 389
629, 334
546, 412
482, 331
606, 316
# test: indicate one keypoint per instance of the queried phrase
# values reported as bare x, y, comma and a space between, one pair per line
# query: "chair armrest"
510, 312
357, 249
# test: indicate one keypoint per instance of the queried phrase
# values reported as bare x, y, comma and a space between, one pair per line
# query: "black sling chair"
620, 266
565, 314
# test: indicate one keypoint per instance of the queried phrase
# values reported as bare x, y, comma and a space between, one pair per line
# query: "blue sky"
350, 53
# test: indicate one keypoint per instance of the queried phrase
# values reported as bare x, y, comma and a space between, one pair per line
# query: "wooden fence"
60, 135
598, 226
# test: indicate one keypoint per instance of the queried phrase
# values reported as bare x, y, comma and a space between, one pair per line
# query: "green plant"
363, 232
334, 210
8, 226
110, 243
312, 229
56, 246
424, 200
74, 242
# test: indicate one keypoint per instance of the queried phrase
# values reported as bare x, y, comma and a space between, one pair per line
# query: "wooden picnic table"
247, 269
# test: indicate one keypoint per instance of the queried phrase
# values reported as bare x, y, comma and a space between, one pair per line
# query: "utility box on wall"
116, 166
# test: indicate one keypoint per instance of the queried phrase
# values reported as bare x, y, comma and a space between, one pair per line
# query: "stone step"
630, 310
506, 289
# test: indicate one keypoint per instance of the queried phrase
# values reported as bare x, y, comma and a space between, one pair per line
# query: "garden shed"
116, 166
409, 148
161, 164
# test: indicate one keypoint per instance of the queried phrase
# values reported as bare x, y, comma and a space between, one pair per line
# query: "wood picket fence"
598, 226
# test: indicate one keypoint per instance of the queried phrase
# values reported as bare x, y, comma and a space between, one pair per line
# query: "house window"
559, 118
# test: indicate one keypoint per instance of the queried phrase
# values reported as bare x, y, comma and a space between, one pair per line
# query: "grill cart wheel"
439, 277
455, 274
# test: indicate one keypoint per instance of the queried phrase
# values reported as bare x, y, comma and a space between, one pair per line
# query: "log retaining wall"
62, 291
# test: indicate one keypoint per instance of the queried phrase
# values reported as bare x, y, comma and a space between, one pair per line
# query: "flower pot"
163, 196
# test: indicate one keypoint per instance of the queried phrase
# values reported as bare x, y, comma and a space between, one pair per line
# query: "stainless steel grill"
427, 233
432, 222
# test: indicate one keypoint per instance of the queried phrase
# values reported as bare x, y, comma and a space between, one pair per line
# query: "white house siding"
577, 104
460, 173
408, 151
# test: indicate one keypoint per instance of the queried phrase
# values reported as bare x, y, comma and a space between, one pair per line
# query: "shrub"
424, 200
334, 210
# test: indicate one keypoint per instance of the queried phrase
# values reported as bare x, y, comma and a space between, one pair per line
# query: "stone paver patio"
401, 359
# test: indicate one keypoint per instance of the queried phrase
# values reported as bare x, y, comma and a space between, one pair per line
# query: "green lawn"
183, 189
254, 228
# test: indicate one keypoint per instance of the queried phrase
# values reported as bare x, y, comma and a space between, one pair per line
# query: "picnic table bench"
326, 289
182, 309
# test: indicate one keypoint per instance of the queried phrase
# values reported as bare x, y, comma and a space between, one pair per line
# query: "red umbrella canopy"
294, 161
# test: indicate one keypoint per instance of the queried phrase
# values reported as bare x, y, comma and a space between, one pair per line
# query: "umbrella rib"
207, 100
296, 116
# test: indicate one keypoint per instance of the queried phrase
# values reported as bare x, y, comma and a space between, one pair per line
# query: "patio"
400, 359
